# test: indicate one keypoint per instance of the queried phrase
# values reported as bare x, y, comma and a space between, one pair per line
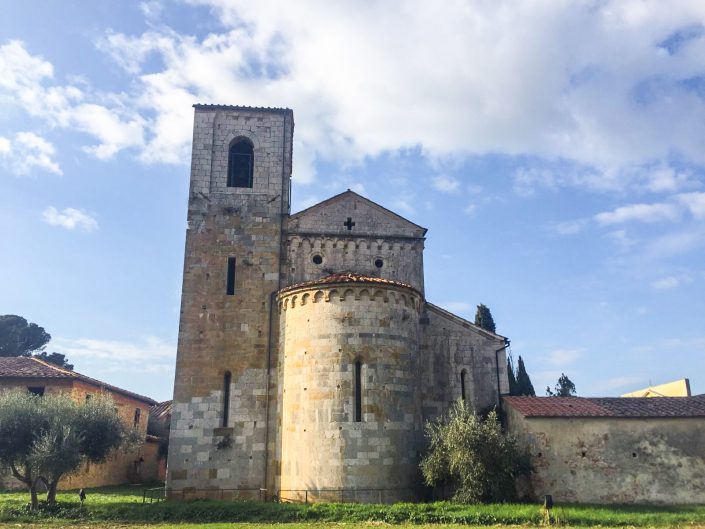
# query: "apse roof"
348, 277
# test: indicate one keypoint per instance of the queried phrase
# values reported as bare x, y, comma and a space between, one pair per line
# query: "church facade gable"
351, 233
351, 215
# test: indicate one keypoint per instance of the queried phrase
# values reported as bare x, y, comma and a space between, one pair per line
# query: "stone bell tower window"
230, 280
358, 391
240, 164
226, 397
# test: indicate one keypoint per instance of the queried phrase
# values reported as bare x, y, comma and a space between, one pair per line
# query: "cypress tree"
524, 385
512, 378
483, 318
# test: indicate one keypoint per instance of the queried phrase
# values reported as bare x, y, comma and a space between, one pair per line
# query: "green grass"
117, 506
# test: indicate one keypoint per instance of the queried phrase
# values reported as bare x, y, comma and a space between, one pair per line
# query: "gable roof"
26, 367
635, 407
161, 410
349, 194
463, 322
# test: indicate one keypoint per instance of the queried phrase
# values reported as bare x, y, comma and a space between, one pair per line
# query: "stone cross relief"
349, 224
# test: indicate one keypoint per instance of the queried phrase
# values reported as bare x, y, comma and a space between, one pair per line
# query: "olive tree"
43, 439
474, 455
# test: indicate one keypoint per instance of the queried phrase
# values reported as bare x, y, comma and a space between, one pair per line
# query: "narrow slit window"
358, 391
138, 414
226, 397
462, 384
230, 287
240, 164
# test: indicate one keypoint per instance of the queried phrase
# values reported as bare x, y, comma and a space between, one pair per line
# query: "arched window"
226, 397
358, 391
240, 164
462, 384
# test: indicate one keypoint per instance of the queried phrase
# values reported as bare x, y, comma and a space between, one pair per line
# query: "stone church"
308, 358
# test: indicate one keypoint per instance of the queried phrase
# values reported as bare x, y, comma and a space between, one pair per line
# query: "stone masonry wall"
220, 332
402, 259
324, 331
451, 345
613, 460
377, 234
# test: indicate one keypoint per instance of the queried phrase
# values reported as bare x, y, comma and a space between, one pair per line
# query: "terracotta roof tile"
24, 367
608, 406
15, 367
348, 277
161, 409
205, 106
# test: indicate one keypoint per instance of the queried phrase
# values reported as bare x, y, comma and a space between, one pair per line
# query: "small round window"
379, 263
317, 259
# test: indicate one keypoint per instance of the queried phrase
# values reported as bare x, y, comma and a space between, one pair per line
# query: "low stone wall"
614, 460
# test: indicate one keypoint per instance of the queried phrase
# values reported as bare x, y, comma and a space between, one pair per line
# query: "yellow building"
677, 388
43, 378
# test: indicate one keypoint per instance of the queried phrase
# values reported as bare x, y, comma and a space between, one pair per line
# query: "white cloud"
28, 81
445, 183
625, 383
695, 202
621, 239
671, 282
152, 354
113, 350
581, 85
457, 307
70, 219
27, 151
470, 209
20, 71
673, 244
639, 213
569, 227
583, 82
562, 357
404, 205
666, 179
152, 8
306, 202
113, 133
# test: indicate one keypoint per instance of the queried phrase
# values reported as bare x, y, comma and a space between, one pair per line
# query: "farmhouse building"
43, 378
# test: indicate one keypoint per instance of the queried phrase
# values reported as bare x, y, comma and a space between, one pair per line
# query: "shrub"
475, 456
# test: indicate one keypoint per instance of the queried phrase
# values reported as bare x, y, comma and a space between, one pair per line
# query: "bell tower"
238, 199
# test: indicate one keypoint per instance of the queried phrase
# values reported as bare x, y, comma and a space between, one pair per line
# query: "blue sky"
555, 151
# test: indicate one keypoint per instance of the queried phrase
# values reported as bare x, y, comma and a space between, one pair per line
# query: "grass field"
122, 507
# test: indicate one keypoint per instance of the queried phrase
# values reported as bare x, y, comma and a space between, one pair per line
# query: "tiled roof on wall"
203, 106
608, 406
348, 277
161, 409
23, 367
15, 367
